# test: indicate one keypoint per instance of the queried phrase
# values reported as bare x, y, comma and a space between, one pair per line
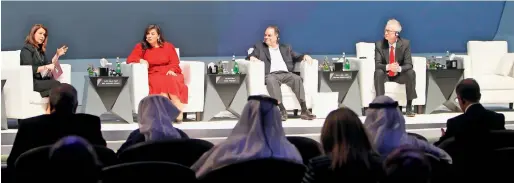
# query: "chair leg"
420, 109
364, 111
511, 105
295, 112
198, 116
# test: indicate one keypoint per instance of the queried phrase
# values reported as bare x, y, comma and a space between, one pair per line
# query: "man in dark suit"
393, 62
61, 121
279, 60
476, 120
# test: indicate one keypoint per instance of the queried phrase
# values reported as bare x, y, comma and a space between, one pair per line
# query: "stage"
215, 131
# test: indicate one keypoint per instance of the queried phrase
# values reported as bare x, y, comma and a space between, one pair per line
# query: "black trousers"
43, 86
407, 77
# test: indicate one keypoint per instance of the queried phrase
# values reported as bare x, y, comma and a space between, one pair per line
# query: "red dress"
160, 61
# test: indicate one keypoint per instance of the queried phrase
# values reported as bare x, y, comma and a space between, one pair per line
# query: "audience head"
156, 114
392, 30
63, 99
407, 165
271, 35
37, 37
153, 37
468, 92
258, 134
385, 124
74, 160
344, 137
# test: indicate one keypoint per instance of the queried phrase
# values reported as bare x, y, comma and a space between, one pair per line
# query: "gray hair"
394, 23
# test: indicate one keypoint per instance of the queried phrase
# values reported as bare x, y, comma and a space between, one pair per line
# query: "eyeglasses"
389, 31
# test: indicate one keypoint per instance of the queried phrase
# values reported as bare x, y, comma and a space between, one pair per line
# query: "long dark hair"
344, 138
145, 44
31, 40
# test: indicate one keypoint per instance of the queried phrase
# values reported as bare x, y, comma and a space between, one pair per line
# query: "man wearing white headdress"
386, 126
257, 135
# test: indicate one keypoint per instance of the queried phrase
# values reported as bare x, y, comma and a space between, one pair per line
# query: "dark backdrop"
110, 29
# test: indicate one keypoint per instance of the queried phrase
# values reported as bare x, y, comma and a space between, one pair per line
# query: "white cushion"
486, 55
505, 65
10, 59
495, 82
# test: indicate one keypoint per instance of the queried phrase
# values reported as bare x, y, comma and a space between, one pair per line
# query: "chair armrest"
66, 74
366, 67
18, 88
309, 74
419, 65
465, 61
254, 71
194, 78
137, 82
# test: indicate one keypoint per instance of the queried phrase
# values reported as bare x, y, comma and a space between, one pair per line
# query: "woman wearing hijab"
258, 134
155, 115
386, 126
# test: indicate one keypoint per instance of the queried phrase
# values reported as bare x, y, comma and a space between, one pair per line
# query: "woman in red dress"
164, 74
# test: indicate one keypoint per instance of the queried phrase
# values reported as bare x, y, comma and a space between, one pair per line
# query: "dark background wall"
110, 29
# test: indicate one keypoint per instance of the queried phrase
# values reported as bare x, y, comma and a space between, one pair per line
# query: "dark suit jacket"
261, 52
30, 55
49, 128
475, 121
402, 54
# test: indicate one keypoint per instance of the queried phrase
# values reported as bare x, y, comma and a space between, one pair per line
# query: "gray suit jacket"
402, 54
261, 52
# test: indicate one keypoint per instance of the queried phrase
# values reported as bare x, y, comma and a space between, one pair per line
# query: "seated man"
60, 121
279, 60
476, 120
393, 62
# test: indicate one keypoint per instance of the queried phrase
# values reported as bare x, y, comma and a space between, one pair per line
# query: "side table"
110, 91
224, 92
343, 82
440, 88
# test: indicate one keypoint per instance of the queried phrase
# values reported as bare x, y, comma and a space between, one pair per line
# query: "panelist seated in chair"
34, 54
60, 121
279, 60
164, 74
393, 62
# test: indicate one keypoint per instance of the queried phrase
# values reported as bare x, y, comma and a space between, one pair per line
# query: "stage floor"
216, 131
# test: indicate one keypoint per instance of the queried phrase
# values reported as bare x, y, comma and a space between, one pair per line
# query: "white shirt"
394, 52
277, 62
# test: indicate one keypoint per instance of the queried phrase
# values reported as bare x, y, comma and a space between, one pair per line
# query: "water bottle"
118, 66
346, 64
233, 57
343, 57
90, 71
236, 68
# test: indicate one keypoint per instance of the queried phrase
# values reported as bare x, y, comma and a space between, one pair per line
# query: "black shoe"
284, 115
307, 115
409, 112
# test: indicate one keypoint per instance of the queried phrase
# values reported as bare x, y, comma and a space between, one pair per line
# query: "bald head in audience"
63, 99
468, 92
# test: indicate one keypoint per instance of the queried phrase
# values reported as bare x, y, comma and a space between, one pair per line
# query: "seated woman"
252, 138
348, 152
386, 125
155, 116
164, 74
34, 53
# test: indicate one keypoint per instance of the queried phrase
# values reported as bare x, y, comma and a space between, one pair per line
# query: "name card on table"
228, 79
340, 76
109, 82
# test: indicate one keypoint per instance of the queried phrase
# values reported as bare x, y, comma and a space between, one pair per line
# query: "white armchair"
392, 89
256, 85
490, 64
194, 78
21, 101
